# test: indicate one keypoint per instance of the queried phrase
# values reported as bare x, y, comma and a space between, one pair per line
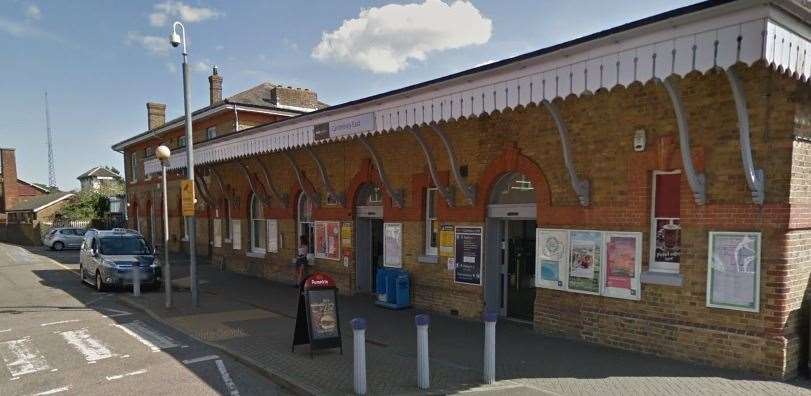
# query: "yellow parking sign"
187, 197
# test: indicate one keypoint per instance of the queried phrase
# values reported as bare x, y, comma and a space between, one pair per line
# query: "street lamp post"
162, 153
176, 40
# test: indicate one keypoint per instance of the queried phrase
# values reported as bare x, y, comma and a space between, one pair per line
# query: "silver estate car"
64, 238
110, 258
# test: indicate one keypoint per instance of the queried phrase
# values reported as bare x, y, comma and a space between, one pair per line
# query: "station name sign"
344, 127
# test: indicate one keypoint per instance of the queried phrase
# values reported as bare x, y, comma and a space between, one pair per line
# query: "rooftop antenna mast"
51, 171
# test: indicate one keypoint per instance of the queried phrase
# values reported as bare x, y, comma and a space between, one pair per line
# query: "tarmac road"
60, 337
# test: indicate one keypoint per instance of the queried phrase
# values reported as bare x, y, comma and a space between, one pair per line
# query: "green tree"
88, 205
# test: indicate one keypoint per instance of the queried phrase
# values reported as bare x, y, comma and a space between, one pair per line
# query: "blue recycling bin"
380, 284
394, 292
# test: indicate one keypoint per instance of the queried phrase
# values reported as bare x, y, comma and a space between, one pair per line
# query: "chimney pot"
214, 86
156, 115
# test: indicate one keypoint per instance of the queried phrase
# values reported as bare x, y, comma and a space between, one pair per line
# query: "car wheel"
99, 282
58, 246
81, 274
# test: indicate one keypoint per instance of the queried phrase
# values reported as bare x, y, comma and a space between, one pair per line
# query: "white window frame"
430, 250
255, 248
300, 224
211, 132
652, 265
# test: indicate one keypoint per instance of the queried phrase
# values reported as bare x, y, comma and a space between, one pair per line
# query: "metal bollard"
489, 372
136, 280
423, 371
359, 329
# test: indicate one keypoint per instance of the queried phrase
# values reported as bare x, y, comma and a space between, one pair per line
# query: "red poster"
621, 261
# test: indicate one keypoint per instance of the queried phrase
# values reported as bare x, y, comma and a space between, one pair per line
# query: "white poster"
216, 227
551, 258
393, 245
733, 271
273, 235
236, 234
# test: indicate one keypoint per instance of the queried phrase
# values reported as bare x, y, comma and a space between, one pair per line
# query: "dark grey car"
113, 258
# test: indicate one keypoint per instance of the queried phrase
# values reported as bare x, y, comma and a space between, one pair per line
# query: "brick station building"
664, 132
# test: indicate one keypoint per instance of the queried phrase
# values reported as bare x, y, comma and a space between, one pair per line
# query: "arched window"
513, 188
370, 195
259, 238
305, 221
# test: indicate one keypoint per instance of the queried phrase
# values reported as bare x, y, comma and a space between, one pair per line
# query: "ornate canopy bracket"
468, 190
754, 176
696, 180
261, 194
282, 198
202, 188
311, 195
581, 187
331, 194
225, 195
396, 196
443, 190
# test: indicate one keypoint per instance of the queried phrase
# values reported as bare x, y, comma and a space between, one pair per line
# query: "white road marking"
21, 357
226, 378
60, 322
53, 391
118, 312
201, 359
91, 348
5, 331
115, 377
147, 336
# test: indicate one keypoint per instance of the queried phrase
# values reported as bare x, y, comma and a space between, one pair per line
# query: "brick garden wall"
669, 321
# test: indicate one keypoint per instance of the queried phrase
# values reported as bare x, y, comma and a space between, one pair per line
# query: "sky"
101, 61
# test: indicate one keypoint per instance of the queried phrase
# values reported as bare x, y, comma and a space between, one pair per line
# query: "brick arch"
365, 174
511, 160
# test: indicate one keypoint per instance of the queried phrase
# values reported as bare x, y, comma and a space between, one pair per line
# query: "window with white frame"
431, 223
305, 222
211, 133
259, 236
665, 250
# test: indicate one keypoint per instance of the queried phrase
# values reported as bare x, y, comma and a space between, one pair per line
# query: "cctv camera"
175, 39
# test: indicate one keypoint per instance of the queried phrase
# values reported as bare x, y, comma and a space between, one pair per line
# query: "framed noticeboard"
733, 270
585, 261
468, 255
551, 258
216, 228
327, 240
623, 264
273, 235
393, 245
236, 234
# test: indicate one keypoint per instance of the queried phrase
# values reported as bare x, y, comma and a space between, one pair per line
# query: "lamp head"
163, 153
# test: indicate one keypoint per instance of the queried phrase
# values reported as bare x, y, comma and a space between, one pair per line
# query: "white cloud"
27, 30
154, 44
169, 9
384, 39
33, 12
171, 67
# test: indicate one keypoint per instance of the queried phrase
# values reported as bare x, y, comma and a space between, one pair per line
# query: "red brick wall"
670, 321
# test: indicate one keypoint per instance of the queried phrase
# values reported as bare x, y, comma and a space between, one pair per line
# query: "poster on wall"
551, 258
468, 257
327, 240
393, 245
236, 234
733, 271
667, 245
446, 240
273, 235
346, 243
585, 261
623, 263
216, 228
320, 239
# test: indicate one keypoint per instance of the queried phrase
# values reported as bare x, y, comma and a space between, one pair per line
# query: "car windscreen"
125, 245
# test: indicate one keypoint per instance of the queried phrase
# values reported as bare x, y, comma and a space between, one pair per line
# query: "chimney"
156, 114
9, 166
215, 86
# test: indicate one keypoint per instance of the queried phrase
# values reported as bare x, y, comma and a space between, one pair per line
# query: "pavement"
252, 320
60, 337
